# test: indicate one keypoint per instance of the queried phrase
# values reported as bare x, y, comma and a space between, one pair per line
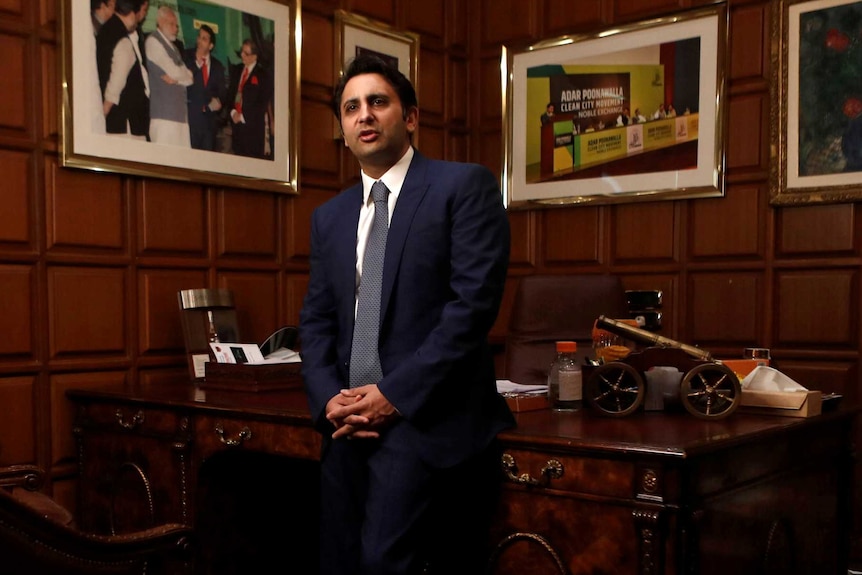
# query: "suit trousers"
386, 512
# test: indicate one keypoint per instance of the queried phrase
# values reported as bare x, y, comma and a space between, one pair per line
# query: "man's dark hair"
370, 64
208, 30
96, 4
123, 7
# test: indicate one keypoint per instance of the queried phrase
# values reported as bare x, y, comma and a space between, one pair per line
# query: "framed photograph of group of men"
635, 112
195, 90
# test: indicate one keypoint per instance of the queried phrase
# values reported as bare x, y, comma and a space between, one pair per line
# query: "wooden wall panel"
50, 93
172, 217
523, 250
728, 226
458, 147
644, 232
725, 307
457, 25
431, 89
17, 286
507, 21
459, 84
818, 309
298, 222
491, 152
11, 7
383, 10
16, 216
258, 307
630, 9
426, 17
62, 411
571, 236
560, 18
489, 89
747, 130
160, 329
84, 209
432, 141
297, 284
317, 34
823, 229
749, 44
248, 222
827, 376
319, 146
18, 424
16, 70
87, 311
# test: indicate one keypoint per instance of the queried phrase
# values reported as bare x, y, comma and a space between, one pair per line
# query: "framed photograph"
632, 113
817, 102
196, 90
357, 35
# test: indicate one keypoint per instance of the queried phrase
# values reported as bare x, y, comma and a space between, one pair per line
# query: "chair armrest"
29, 477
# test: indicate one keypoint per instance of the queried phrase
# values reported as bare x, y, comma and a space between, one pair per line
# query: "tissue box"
783, 403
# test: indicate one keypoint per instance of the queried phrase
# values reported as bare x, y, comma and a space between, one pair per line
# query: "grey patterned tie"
364, 357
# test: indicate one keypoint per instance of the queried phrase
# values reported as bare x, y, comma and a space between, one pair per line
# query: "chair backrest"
31, 542
551, 308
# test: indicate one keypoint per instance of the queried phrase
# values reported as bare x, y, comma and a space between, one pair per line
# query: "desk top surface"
673, 435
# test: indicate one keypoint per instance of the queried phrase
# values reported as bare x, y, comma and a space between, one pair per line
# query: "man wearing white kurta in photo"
169, 78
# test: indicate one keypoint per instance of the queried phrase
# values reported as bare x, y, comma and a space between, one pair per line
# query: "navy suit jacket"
445, 267
201, 118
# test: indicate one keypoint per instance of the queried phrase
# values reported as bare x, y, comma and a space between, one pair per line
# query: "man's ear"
411, 119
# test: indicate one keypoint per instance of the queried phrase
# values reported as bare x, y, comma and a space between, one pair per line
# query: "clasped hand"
360, 412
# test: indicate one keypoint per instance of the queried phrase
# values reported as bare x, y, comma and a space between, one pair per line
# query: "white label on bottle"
571, 385
199, 361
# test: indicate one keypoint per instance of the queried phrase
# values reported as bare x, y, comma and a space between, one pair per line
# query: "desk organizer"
247, 377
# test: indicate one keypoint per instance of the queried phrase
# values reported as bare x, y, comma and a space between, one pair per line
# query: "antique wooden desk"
645, 494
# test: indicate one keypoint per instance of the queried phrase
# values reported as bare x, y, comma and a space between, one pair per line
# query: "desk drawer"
123, 417
215, 433
576, 475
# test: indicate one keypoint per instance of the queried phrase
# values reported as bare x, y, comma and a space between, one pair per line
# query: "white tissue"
764, 378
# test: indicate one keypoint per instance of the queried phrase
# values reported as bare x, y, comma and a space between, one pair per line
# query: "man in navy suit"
251, 97
208, 92
410, 472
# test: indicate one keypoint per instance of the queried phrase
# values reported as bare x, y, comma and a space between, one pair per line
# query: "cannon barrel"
643, 336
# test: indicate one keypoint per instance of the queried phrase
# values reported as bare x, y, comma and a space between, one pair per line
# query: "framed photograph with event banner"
817, 102
632, 113
357, 34
163, 92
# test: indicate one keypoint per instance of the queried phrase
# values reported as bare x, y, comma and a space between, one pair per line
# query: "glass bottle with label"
565, 379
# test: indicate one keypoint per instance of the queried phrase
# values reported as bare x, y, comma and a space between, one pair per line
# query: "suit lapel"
414, 189
345, 243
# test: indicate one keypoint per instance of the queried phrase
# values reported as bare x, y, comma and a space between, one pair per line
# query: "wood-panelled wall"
90, 263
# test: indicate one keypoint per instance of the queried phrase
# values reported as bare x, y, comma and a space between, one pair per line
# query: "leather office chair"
551, 308
34, 541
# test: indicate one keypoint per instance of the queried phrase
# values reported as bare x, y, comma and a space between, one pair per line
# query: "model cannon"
708, 389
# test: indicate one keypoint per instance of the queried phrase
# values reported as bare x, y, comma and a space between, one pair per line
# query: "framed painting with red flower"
817, 84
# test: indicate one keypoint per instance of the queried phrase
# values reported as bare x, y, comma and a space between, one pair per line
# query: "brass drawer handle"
137, 419
553, 469
244, 434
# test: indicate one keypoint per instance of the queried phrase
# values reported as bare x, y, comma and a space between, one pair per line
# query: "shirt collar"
393, 178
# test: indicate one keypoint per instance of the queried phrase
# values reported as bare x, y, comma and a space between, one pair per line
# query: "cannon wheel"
710, 391
615, 389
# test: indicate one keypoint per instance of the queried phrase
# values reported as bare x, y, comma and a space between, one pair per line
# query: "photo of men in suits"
208, 92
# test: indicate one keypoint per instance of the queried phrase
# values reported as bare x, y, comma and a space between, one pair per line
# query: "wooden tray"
246, 377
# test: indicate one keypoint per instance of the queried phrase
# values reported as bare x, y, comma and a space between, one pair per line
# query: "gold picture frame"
276, 28
355, 34
816, 119
591, 150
